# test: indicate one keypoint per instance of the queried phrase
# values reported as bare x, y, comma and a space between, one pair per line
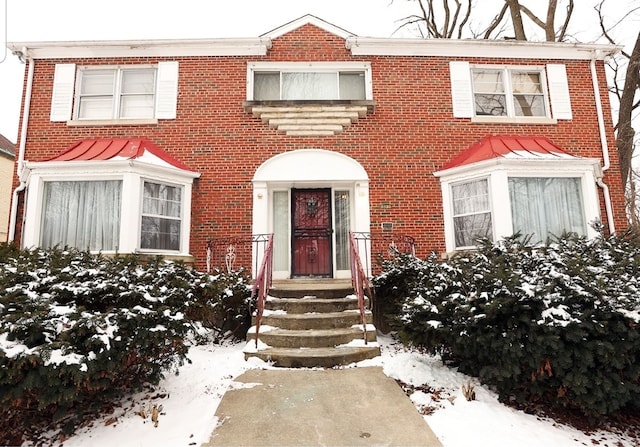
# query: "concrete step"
312, 303
312, 338
314, 357
320, 288
325, 320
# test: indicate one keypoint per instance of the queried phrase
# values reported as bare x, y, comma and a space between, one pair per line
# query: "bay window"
540, 199
110, 206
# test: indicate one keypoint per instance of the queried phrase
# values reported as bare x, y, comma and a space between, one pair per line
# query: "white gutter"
603, 144
22, 145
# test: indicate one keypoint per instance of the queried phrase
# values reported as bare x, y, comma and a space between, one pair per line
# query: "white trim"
315, 66
254, 46
371, 46
307, 20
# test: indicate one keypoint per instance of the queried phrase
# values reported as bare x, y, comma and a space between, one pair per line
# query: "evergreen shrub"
555, 325
78, 331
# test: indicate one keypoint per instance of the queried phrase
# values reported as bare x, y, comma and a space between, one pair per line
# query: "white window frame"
144, 180
117, 94
489, 210
554, 81
66, 88
507, 82
318, 67
498, 171
132, 174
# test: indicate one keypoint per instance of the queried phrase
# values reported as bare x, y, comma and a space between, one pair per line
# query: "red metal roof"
108, 148
507, 146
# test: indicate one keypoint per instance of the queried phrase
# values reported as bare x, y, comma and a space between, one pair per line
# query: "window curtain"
161, 210
84, 214
343, 225
546, 207
281, 230
309, 86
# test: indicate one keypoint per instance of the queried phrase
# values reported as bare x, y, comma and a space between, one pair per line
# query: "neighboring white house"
7, 160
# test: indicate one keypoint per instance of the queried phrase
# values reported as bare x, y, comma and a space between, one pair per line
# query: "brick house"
309, 132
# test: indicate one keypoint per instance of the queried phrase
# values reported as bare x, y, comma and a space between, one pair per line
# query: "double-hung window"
116, 93
161, 216
471, 212
294, 81
509, 92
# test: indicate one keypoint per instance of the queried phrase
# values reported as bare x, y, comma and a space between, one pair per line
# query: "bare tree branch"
496, 21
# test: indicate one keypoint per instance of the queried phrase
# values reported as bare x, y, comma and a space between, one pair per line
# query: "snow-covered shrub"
556, 325
78, 331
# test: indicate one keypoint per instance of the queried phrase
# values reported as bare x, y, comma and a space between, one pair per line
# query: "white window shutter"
62, 95
461, 93
559, 91
167, 90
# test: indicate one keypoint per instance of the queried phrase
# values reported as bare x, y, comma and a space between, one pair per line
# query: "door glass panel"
280, 230
342, 213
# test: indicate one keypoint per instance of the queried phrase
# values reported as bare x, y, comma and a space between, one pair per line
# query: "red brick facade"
410, 134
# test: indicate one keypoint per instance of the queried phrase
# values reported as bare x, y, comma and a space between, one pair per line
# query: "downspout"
605, 148
23, 142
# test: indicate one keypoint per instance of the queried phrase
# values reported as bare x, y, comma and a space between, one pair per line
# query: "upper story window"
269, 81
116, 93
111, 94
521, 94
509, 92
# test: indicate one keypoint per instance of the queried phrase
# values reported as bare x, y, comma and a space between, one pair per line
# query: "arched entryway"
310, 199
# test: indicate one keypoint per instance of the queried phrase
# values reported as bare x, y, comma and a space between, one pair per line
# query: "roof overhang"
368, 46
142, 48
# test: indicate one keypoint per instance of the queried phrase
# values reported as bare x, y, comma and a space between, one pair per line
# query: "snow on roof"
92, 149
508, 146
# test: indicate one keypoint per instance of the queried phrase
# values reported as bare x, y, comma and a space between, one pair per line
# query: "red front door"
312, 232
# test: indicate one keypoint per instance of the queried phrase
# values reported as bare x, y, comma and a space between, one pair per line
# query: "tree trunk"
626, 133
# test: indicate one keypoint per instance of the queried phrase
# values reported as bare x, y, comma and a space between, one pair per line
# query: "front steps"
312, 324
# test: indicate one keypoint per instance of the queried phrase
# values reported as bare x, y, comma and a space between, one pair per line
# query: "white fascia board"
367, 46
142, 48
71, 170
525, 167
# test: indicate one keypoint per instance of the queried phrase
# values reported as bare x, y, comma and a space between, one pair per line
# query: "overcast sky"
53, 20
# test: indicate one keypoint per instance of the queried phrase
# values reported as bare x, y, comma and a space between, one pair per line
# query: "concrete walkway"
303, 407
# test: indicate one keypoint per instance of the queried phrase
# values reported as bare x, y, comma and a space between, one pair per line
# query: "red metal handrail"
262, 282
359, 280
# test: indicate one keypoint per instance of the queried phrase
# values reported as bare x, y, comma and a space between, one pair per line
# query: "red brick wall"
411, 134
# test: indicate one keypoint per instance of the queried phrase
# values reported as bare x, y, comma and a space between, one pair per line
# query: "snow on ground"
189, 401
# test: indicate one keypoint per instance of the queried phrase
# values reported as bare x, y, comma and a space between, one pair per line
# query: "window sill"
310, 117
97, 123
513, 120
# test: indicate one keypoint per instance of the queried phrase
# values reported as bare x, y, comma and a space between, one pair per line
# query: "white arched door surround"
296, 186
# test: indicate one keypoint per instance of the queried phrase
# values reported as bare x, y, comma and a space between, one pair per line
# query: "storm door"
312, 232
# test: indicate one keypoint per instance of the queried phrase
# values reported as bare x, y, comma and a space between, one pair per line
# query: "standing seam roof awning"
508, 146
108, 148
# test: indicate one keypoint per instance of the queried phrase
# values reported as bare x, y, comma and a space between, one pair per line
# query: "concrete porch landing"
343, 407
